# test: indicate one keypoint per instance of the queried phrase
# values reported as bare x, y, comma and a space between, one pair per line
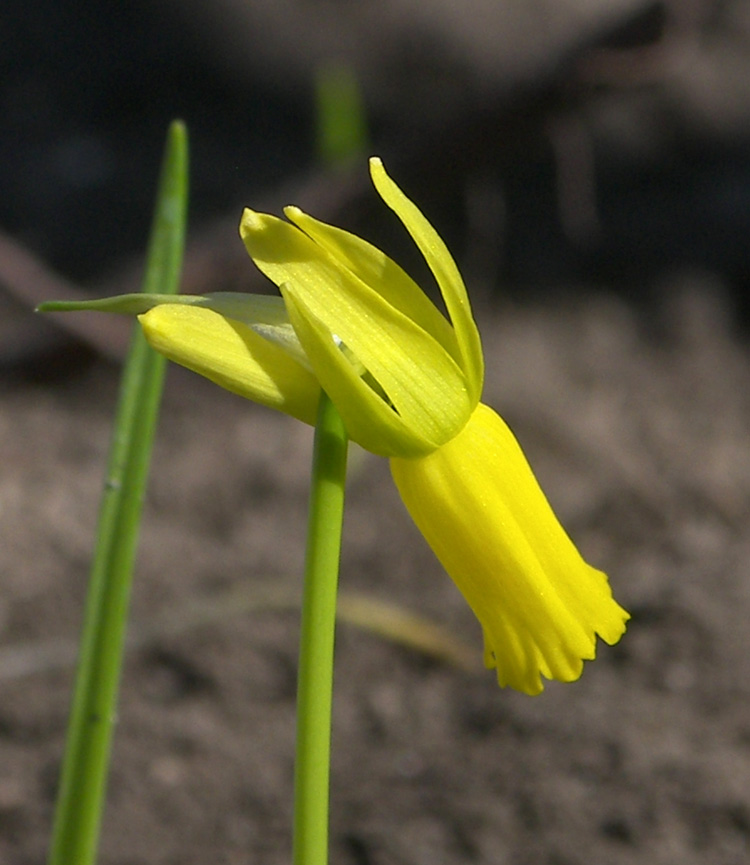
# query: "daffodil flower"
407, 382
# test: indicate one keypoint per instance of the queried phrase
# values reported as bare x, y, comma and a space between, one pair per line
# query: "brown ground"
641, 443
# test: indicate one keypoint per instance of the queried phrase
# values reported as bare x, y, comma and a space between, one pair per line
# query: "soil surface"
637, 427
587, 142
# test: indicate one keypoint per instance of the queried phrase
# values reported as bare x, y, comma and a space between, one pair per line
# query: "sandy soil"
638, 429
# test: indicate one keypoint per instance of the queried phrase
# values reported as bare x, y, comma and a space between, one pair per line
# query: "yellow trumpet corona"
407, 381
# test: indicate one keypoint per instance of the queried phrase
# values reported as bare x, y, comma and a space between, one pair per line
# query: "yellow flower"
403, 378
407, 382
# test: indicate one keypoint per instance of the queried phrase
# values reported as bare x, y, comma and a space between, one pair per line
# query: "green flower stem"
315, 677
85, 766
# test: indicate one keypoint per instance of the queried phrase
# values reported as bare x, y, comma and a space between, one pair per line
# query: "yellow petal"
422, 382
444, 270
266, 314
368, 419
232, 355
380, 273
480, 508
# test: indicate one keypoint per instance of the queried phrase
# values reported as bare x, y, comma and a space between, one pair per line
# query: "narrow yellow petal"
423, 383
368, 419
264, 313
444, 269
233, 356
374, 268
480, 508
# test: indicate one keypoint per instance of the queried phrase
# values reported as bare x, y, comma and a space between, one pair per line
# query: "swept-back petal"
234, 356
423, 383
369, 420
376, 270
444, 269
266, 314
479, 506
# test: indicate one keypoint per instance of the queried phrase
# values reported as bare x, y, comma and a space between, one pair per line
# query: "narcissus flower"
407, 381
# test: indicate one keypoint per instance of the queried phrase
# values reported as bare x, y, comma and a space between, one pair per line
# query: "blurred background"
554, 142
588, 163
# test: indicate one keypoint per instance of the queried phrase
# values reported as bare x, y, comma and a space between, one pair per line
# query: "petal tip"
377, 169
249, 222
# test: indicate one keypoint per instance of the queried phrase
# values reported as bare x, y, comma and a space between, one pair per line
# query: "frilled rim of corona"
480, 508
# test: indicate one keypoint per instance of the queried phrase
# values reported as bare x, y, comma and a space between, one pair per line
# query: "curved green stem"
83, 782
315, 676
